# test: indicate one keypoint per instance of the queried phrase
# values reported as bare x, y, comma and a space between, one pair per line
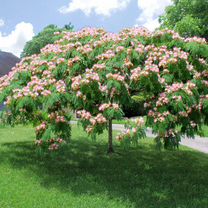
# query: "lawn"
84, 176
205, 130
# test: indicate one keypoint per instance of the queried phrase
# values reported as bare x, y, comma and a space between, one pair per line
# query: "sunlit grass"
82, 175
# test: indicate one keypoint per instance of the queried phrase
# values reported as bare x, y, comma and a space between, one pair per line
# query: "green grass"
205, 130
83, 176
123, 121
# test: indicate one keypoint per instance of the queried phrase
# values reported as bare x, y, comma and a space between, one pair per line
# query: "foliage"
96, 73
188, 17
46, 36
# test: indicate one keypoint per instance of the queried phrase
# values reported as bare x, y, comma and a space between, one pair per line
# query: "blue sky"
20, 20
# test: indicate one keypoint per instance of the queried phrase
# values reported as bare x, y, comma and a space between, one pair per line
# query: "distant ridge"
7, 61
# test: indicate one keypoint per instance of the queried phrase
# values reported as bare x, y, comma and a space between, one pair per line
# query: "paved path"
198, 143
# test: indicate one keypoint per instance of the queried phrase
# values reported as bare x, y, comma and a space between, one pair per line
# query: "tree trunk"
110, 138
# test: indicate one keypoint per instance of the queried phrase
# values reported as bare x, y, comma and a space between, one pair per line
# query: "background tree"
46, 36
188, 17
69, 27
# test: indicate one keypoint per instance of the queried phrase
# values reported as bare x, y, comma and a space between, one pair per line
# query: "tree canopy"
95, 73
188, 17
46, 36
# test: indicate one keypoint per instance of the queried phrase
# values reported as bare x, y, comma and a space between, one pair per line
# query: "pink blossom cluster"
46, 93
85, 32
177, 98
127, 63
84, 114
54, 143
103, 88
152, 68
60, 86
41, 127
119, 49
39, 142
106, 106
135, 74
140, 48
57, 117
164, 56
99, 119
183, 113
174, 34
202, 61
196, 40
74, 60
189, 87
162, 100
58, 140
174, 87
158, 117
171, 57
116, 77
53, 147
171, 133
80, 95
109, 37
76, 83
98, 67
86, 49
130, 132
34, 88
125, 134
135, 32
60, 119
109, 54
60, 60
139, 121
89, 77
52, 48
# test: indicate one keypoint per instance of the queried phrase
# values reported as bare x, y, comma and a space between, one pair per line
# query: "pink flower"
106, 106
53, 147
89, 130
41, 127
139, 121
116, 77
39, 142
134, 130
60, 140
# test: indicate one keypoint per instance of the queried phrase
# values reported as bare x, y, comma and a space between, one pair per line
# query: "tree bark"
110, 137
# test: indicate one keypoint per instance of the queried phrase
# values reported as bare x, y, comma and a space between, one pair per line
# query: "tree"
96, 73
188, 17
43, 38
69, 27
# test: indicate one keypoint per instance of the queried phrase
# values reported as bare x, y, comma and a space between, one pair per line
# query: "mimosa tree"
97, 73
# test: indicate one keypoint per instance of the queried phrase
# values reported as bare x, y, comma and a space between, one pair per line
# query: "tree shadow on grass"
143, 176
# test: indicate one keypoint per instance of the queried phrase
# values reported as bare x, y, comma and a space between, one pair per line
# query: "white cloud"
151, 10
15, 41
2, 23
100, 7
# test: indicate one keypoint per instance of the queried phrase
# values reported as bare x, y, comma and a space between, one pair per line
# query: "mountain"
7, 61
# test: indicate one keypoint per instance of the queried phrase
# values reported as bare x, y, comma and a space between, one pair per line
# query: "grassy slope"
83, 176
